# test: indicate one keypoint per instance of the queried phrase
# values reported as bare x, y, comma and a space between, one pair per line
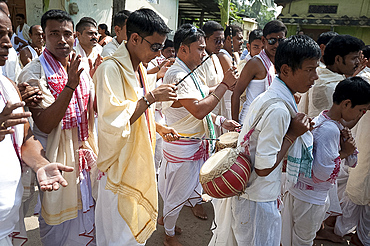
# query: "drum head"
229, 137
217, 164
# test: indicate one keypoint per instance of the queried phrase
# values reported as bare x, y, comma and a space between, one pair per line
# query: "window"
153, 1
323, 9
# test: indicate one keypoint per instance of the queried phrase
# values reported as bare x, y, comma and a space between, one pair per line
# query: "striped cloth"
57, 78
270, 69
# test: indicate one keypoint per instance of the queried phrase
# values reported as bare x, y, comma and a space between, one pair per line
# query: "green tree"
257, 9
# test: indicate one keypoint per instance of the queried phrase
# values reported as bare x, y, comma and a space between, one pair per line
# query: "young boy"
307, 201
254, 45
254, 218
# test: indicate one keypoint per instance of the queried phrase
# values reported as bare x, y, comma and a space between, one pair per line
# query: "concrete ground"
196, 232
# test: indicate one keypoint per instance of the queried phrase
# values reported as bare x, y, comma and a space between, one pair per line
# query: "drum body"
226, 173
227, 140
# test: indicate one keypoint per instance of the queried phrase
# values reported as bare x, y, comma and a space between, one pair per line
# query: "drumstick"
195, 138
232, 46
193, 69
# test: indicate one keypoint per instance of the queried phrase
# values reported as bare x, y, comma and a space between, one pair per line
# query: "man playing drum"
190, 116
254, 218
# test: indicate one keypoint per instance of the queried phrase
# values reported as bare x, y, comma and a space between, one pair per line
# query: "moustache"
94, 39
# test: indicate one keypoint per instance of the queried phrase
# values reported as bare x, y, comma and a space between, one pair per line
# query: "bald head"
4, 8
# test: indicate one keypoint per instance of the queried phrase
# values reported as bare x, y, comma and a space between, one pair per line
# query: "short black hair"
325, 37
294, 50
355, 89
119, 19
187, 34
274, 26
145, 22
235, 28
255, 34
210, 27
85, 22
168, 43
55, 14
105, 28
341, 45
20, 15
30, 31
366, 51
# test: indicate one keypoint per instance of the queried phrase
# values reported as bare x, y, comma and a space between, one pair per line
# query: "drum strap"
264, 107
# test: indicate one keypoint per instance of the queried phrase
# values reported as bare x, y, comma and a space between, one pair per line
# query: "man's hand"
230, 125
49, 176
164, 92
300, 124
95, 66
164, 66
168, 134
32, 96
230, 78
9, 119
347, 143
73, 71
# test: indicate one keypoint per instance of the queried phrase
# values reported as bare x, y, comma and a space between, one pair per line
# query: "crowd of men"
115, 121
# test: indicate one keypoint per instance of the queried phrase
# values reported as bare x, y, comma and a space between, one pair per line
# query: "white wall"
100, 10
34, 10
167, 9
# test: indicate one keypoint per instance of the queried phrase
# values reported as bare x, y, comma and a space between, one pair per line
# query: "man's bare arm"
49, 118
253, 69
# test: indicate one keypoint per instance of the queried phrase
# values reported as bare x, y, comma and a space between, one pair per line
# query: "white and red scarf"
268, 65
57, 78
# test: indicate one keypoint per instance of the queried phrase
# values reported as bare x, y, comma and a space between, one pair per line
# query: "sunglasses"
154, 47
272, 41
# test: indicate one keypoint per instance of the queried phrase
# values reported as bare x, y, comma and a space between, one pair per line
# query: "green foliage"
257, 10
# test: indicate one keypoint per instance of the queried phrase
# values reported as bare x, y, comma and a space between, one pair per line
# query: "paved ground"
196, 232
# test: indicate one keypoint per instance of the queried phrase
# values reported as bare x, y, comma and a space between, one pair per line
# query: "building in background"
314, 17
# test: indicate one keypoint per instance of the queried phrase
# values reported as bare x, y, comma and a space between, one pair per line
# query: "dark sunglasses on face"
154, 47
272, 41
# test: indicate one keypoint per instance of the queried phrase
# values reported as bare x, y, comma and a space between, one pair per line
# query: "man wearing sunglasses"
127, 205
211, 72
258, 73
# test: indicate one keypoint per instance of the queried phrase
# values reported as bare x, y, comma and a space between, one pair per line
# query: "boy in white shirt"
307, 201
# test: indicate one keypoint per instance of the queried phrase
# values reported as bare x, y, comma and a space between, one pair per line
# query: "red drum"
226, 173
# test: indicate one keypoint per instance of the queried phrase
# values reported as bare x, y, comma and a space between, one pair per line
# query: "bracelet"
290, 140
219, 120
70, 88
213, 94
146, 101
228, 87
151, 93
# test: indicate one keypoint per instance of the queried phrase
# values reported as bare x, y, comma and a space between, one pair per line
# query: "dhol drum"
227, 140
226, 173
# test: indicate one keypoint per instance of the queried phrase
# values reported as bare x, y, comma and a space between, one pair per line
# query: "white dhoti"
179, 185
248, 217
111, 228
300, 221
354, 217
222, 231
79, 231
6, 241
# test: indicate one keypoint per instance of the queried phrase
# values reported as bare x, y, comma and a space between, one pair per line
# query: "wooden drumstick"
195, 138
232, 46
181, 80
